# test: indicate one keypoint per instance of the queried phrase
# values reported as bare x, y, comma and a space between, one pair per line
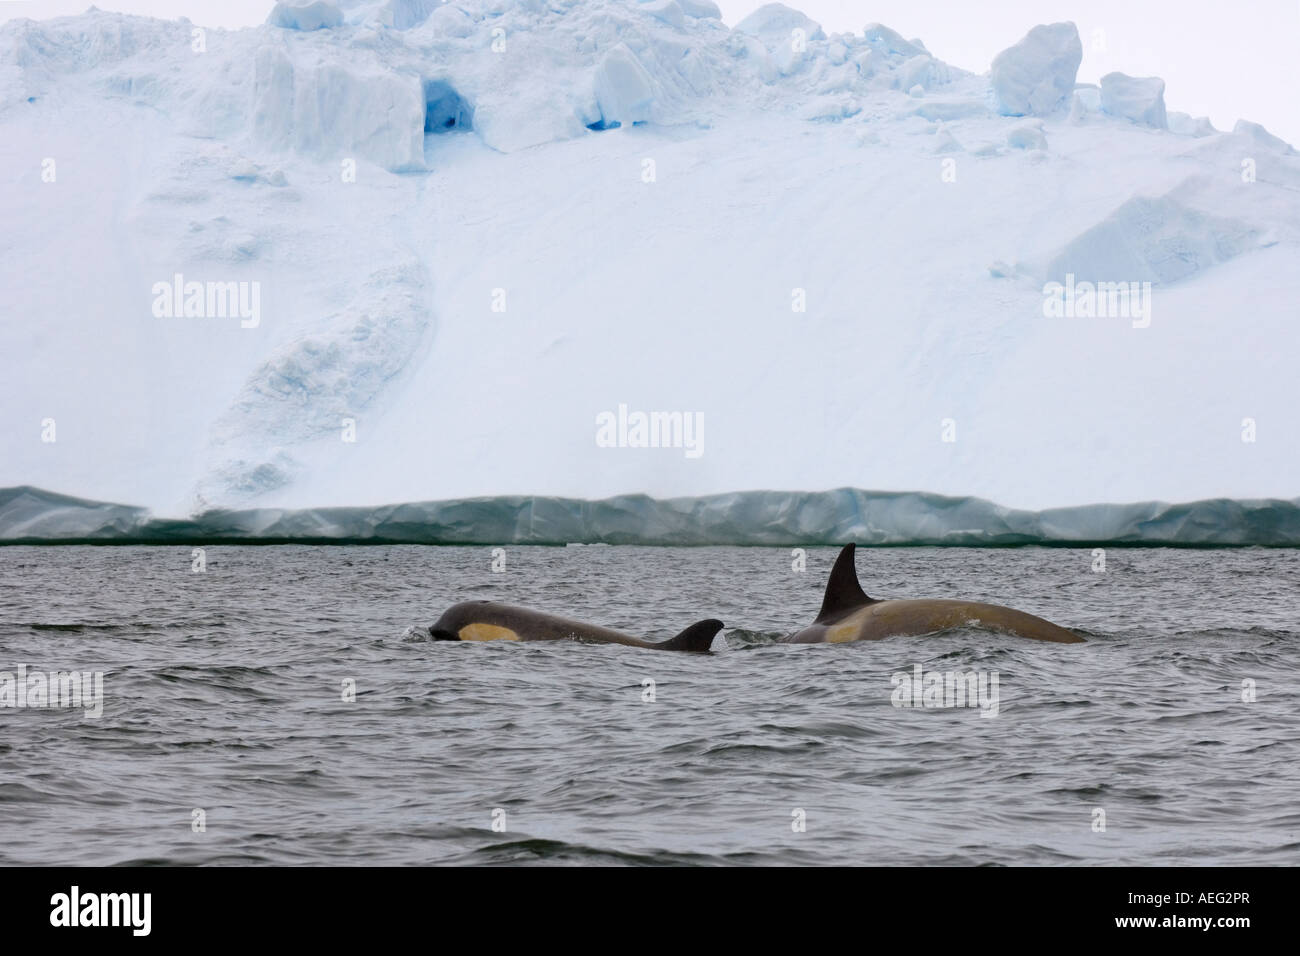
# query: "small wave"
552, 852
740, 638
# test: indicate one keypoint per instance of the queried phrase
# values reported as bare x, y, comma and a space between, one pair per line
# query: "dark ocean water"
223, 692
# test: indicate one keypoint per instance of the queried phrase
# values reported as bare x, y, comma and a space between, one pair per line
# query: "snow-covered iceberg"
471, 228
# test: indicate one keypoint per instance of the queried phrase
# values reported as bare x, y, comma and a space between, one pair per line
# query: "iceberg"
755, 518
474, 226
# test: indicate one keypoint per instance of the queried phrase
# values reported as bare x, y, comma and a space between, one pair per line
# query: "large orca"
847, 614
489, 621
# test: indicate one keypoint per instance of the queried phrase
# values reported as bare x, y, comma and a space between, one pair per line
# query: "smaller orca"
847, 614
490, 621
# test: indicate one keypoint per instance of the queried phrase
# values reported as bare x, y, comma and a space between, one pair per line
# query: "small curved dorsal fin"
698, 637
843, 592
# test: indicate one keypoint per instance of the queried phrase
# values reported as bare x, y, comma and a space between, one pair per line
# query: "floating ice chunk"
312, 15
1028, 135
624, 90
1137, 98
1035, 76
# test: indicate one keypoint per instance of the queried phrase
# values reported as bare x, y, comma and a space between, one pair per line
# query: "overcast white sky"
1218, 59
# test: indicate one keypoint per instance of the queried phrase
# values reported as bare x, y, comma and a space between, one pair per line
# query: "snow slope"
476, 226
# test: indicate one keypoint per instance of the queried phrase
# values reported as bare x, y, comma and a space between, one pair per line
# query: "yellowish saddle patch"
479, 631
842, 633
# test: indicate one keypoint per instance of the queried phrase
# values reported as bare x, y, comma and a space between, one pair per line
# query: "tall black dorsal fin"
843, 592
698, 637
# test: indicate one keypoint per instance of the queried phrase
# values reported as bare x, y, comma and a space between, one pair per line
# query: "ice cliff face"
404, 250
771, 518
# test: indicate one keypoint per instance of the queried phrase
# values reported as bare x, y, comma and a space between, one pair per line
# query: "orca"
490, 621
847, 614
